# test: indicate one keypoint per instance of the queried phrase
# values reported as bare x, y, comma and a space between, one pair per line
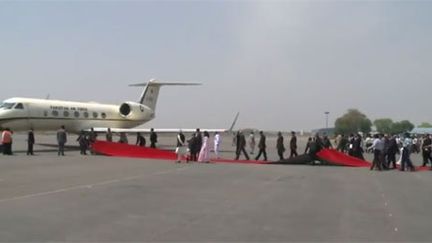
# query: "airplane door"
21, 118
23, 111
28, 115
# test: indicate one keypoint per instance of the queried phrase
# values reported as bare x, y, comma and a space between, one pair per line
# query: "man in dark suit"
293, 145
280, 146
141, 141
153, 138
426, 149
262, 146
241, 144
392, 150
61, 140
30, 142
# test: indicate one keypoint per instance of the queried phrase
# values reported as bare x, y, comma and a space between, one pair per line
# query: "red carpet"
131, 151
126, 150
338, 158
422, 168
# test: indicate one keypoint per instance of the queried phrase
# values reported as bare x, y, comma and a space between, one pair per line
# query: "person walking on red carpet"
406, 162
378, 148
216, 142
293, 145
153, 138
204, 155
262, 146
181, 148
280, 146
240, 145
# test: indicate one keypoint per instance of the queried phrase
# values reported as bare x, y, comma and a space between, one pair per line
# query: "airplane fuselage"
21, 114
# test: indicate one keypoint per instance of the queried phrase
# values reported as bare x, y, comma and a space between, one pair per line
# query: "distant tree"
402, 126
353, 122
425, 125
384, 125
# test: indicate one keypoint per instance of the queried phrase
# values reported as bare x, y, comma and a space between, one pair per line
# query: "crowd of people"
385, 148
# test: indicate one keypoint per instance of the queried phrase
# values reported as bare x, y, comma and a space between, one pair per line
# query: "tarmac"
46, 198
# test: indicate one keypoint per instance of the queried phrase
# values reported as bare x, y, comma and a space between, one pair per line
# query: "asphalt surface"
46, 198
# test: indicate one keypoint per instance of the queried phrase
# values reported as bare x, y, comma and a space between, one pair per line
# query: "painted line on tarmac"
89, 186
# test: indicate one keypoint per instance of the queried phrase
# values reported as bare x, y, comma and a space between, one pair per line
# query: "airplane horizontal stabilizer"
164, 84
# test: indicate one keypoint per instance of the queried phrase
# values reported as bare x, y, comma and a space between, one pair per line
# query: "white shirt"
378, 144
217, 139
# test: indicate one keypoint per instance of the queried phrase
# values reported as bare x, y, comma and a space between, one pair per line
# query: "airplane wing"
165, 130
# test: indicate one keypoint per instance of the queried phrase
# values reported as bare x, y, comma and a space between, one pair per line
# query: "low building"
324, 131
422, 130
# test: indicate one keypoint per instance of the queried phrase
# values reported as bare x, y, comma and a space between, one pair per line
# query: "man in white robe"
216, 142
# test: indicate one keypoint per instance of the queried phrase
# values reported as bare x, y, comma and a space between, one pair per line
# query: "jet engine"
132, 110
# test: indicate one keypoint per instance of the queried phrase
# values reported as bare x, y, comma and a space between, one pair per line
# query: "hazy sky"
282, 64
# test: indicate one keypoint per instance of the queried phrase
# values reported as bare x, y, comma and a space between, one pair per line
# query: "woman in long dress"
204, 155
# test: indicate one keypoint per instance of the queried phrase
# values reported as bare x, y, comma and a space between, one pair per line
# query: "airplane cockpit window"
19, 106
7, 106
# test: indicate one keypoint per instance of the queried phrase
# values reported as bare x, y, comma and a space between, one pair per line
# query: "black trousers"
239, 150
293, 153
7, 148
262, 151
153, 145
426, 157
61, 149
280, 153
377, 160
194, 155
83, 149
391, 159
29, 148
406, 160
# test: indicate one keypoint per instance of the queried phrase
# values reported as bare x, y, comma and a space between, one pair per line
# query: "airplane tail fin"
150, 93
234, 122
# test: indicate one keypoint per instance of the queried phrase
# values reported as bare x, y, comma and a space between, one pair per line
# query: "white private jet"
22, 114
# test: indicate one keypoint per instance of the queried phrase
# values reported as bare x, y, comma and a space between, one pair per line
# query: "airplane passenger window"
103, 115
86, 115
66, 113
19, 106
95, 114
76, 114
45, 113
54, 113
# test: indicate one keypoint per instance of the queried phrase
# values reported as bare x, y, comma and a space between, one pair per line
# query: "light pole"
326, 117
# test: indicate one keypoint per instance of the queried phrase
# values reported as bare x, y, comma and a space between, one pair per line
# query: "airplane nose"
1, 121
